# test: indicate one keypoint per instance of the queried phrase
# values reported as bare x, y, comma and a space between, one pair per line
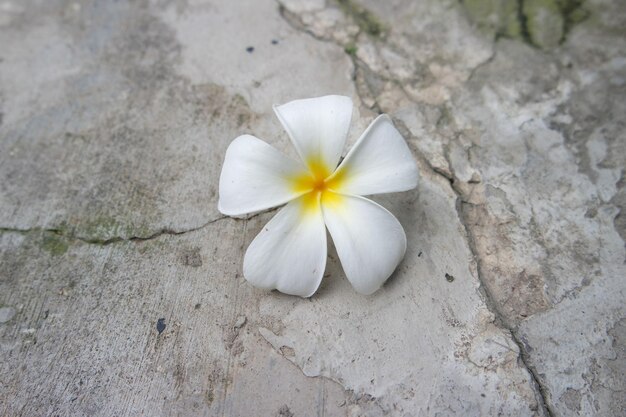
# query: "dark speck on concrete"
250, 49
274, 41
449, 277
284, 411
419, 255
197, 306
160, 325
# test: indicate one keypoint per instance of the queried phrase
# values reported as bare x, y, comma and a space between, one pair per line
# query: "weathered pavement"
120, 283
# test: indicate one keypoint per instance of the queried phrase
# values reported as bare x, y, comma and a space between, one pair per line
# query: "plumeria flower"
289, 254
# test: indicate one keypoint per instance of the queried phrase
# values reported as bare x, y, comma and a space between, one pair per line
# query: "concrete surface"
120, 283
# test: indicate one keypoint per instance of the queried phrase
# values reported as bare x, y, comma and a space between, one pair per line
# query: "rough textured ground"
120, 283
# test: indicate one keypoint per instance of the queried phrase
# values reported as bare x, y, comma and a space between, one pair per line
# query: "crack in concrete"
487, 298
117, 239
543, 391
95, 241
500, 321
483, 64
295, 23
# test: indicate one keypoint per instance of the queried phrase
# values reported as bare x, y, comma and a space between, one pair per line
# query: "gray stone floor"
121, 291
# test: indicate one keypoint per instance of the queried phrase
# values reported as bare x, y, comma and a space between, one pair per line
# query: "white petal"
318, 128
255, 177
289, 254
379, 162
370, 241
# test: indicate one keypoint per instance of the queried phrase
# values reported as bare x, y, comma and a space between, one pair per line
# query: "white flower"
289, 254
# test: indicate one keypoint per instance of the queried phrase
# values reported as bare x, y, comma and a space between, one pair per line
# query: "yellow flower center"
317, 186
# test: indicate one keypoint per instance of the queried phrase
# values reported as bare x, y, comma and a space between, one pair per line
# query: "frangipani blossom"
289, 254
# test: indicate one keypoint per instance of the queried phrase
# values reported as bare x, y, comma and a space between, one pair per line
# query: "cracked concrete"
120, 283
62, 233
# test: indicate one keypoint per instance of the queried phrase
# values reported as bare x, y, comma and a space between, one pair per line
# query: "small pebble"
250, 49
160, 325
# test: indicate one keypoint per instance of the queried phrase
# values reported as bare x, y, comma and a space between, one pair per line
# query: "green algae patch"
365, 20
545, 23
54, 244
573, 11
350, 49
104, 229
541, 23
101, 228
499, 16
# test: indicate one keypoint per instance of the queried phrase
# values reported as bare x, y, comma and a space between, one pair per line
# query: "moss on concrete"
54, 244
351, 49
500, 16
366, 20
541, 23
573, 11
102, 229
544, 22
99, 227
